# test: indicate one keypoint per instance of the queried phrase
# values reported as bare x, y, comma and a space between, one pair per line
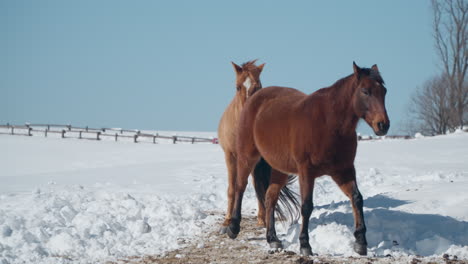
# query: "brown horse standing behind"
309, 135
248, 83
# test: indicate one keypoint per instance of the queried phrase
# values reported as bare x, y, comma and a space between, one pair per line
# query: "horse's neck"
236, 106
338, 107
241, 97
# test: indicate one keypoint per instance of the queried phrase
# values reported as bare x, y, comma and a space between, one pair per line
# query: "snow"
82, 201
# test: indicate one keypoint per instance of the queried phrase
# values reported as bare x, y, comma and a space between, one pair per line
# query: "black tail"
288, 204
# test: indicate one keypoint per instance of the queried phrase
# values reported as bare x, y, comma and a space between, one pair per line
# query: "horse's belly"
282, 163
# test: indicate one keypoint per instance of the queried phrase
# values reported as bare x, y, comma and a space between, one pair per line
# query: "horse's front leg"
244, 168
231, 164
306, 184
346, 180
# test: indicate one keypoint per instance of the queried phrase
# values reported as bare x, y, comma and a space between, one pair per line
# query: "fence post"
193, 140
135, 137
98, 134
116, 135
28, 126
63, 133
80, 135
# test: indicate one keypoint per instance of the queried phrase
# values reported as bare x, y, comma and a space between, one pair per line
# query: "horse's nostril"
381, 126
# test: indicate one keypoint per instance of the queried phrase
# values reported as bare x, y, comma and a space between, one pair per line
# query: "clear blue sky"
165, 65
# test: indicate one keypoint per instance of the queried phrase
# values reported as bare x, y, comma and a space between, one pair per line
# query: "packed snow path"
71, 201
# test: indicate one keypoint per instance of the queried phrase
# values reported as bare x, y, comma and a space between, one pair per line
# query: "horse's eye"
365, 91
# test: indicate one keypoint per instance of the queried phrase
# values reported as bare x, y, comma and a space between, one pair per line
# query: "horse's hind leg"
261, 206
306, 184
347, 182
231, 163
278, 181
244, 168
261, 177
261, 214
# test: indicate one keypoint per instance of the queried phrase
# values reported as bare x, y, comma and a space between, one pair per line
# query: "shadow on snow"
388, 228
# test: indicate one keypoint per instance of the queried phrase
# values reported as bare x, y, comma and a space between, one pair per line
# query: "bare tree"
451, 40
430, 108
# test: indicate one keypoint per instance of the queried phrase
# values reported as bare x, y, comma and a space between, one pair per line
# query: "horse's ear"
237, 68
260, 67
356, 69
375, 68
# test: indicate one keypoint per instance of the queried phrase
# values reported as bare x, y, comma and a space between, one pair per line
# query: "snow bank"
72, 201
93, 224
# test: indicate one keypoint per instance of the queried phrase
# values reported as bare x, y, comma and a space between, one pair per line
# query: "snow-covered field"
82, 201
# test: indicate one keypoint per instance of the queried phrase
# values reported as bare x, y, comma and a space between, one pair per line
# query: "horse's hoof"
306, 251
232, 232
360, 249
223, 230
276, 245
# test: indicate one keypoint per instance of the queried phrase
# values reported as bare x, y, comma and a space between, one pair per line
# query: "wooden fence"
69, 131
386, 137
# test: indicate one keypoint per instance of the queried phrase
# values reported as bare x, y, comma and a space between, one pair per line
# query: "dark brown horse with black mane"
247, 84
309, 135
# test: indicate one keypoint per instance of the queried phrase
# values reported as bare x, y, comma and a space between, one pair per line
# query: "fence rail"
386, 137
69, 131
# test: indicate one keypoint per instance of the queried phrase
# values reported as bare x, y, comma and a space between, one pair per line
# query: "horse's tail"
288, 205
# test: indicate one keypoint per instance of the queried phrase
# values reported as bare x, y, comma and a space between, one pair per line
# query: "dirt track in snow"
250, 247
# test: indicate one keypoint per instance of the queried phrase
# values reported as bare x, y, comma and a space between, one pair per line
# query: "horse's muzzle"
382, 128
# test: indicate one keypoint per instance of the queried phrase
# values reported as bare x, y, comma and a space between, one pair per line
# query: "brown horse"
247, 83
309, 135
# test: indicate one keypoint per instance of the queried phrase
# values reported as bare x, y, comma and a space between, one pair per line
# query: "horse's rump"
268, 121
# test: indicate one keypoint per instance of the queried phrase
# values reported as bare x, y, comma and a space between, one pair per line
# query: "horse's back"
273, 92
272, 95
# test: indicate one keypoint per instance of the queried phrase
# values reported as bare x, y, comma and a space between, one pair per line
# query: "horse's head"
369, 98
248, 77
